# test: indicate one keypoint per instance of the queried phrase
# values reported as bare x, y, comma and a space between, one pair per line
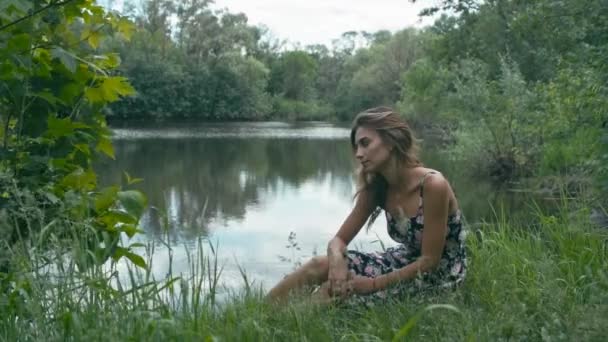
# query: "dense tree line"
519, 86
187, 61
522, 85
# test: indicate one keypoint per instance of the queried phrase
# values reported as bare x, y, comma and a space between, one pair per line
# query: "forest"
517, 90
518, 87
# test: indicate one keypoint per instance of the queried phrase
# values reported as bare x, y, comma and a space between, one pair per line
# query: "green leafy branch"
36, 12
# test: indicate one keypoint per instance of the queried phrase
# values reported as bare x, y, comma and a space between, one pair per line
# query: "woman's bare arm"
338, 266
353, 223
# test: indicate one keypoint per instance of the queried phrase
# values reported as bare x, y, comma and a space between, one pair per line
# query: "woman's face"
370, 149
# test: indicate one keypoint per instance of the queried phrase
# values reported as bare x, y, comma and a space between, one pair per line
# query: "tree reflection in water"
195, 180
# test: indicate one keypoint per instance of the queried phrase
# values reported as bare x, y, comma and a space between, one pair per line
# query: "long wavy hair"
393, 131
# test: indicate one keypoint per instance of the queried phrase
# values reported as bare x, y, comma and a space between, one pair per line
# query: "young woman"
422, 215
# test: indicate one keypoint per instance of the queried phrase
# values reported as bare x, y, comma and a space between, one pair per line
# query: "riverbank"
545, 282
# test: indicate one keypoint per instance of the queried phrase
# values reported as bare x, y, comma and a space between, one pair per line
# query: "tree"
463, 7
372, 76
296, 73
54, 87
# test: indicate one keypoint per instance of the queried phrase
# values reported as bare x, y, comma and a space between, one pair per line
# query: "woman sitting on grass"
422, 215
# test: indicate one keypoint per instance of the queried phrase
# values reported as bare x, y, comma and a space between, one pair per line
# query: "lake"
266, 195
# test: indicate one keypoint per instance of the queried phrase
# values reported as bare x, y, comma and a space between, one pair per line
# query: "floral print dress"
408, 232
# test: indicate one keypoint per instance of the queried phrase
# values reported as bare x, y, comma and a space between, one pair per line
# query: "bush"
292, 110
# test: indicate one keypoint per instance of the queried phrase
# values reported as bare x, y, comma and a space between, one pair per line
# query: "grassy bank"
548, 282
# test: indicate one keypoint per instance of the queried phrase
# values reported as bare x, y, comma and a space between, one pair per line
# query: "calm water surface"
246, 187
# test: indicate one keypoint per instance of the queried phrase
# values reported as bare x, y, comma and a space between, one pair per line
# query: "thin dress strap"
421, 186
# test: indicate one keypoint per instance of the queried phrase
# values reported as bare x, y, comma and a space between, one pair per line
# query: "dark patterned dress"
408, 232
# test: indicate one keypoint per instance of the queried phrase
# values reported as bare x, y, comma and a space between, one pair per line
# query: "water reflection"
198, 181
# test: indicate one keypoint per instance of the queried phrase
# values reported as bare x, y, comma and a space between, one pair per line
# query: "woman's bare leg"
314, 272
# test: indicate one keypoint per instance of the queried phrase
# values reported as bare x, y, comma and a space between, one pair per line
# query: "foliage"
201, 56
293, 76
521, 85
200, 67
457, 6
54, 86
423, 84
577, 101
545, 282
500, 80
372, 76
501, 108
293, 110
522, 81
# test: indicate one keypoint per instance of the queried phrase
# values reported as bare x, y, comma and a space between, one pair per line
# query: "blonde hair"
393, 131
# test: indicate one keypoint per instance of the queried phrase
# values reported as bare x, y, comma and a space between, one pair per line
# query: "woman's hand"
338, 275
361, 285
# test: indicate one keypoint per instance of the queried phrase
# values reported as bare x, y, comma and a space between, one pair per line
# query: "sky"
320, 21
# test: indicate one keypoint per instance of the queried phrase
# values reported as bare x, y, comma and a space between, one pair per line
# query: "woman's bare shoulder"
437, 183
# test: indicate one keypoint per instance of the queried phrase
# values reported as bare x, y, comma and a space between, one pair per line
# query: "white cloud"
312, 22
320, 22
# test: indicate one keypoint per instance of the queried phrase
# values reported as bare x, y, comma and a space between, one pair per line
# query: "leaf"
133, 201
116, 86
122, 217
94, 95
20, 43
130, 180
109, 61
80, 179
84, 148
21, 6
59, 127
105, 146
67, 59
96, 10
69, 92
109, 90
7, 71
58, 163
105, 198
119, 252
112, 218
130, 229
137, 260
126, 28
94, 39
62, 127
113, 60
48, 97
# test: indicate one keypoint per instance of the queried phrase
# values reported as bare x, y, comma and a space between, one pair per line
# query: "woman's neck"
397, 175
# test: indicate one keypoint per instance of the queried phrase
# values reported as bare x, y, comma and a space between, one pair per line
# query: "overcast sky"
321, 21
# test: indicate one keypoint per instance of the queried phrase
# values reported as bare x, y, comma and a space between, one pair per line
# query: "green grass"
547, 282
